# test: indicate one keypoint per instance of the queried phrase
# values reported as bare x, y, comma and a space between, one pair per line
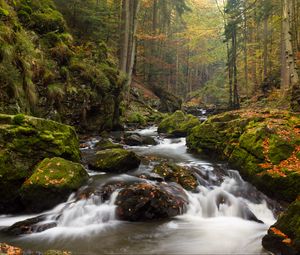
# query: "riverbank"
264, 146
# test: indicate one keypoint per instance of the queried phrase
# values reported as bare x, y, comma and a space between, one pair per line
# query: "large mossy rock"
145, 202
175, 173
24, 142
284, 236
178, 124
115, 161
263, 145
52, 181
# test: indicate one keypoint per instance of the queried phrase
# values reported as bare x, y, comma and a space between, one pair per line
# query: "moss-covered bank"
265, 147
24, 142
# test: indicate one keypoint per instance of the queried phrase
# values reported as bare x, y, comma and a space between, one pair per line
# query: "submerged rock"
114, 160
145, 201
29, 226
284, 236
24, 142
52, 181
175, 173
178, 124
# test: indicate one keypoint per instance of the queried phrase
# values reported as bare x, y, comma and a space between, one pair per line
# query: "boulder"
24, 142
146, 201
115, 161
106, 143
52, 181
284, 236
138, 140
175, 173
178, 124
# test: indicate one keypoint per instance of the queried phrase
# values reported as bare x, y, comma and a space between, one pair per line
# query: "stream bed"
216, 221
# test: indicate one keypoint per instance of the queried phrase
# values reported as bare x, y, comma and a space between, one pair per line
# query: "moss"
175, 173
252, 141
47, 21
19, 119
280, 149
51, 182
178, 124
289, 223
115, 160
106, 144
136, 118
24, 145
3, 13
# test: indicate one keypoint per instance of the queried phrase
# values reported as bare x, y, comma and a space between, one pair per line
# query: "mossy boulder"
284, 236
24, 142
175, 173
178, 124
115, 161
263, 145
52, 181
105, 144
146, 201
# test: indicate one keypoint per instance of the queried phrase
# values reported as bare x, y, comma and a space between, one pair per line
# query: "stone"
284, 236
138, 140
175, 173
24, 142
114, 161
146, 202
52, 181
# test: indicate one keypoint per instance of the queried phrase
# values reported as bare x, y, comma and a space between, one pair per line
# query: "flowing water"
217, 220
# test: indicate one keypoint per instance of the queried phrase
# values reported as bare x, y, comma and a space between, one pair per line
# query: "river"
209, 227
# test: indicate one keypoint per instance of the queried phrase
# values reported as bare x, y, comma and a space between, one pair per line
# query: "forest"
149, 127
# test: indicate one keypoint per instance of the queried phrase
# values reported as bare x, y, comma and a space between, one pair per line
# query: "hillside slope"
45, 73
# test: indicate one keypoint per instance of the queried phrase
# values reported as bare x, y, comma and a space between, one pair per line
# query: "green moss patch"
52, 182
178, 124
115, 160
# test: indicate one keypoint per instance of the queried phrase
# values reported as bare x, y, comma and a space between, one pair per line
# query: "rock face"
284, 236
178, 124
174, 173
24, 142
264, 146
114, 160
145, 201
52, 181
